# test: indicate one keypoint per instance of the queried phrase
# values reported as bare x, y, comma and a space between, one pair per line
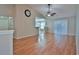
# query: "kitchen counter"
6, 42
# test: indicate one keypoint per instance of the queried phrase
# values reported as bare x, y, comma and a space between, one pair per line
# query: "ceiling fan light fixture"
48, 14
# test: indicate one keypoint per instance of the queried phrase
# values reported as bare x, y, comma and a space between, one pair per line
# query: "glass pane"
60, 30
60, 27
6, 23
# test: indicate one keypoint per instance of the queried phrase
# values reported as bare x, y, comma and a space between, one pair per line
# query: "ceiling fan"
49, 13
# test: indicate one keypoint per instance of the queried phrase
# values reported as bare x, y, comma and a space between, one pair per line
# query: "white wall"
24, 26
77, 30
71, 24
6, 10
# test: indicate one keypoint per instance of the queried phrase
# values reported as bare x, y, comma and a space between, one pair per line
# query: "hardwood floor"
29, 46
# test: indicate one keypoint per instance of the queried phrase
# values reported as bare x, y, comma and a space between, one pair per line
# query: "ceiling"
62, 10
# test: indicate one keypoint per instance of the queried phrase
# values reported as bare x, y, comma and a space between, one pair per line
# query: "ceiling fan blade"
52, 14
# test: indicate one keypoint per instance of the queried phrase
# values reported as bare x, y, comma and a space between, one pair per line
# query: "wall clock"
27, 13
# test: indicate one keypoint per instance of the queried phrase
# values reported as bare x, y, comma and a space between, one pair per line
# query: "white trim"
71, 34
68, 34
48, 32
23, 36
64, 33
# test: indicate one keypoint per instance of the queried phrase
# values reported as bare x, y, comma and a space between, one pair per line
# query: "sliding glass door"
60, 31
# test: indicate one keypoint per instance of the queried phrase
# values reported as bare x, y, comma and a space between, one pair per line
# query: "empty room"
39, 29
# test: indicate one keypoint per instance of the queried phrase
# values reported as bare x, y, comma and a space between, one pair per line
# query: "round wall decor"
27, 13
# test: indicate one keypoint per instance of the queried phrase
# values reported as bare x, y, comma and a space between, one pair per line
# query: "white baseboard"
71, 34
48, 32
23, 36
